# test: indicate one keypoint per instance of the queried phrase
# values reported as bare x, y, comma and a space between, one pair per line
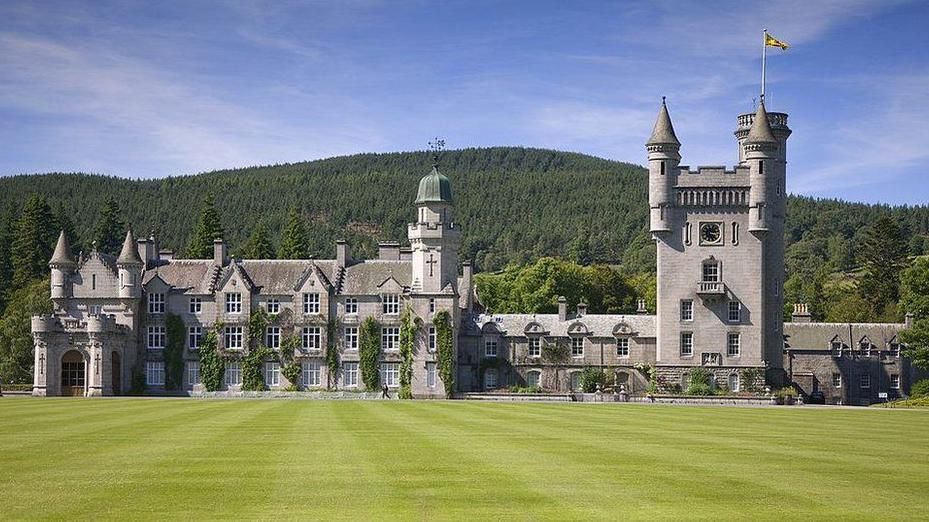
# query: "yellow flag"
771, 41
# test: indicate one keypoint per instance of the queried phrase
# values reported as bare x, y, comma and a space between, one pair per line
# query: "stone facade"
720, 269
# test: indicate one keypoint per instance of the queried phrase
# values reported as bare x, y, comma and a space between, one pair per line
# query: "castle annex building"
719, 235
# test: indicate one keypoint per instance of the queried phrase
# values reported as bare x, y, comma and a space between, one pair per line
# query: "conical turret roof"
760, 132
434, 187
663, 134
62, 255
129, 255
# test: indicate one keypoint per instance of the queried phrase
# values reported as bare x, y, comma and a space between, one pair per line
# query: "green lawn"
135, 459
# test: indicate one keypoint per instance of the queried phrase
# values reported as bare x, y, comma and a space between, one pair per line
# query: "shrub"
591, 378
446, 350
252, 366
292, 372
751, 377
174, 351
525, 389
212, 366
699, 389
137, 384
920, 389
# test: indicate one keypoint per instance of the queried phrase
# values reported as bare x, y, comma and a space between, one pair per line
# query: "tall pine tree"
294, 243
209, 228
64, 223
883, 255
33, 242
110, 231
259, 244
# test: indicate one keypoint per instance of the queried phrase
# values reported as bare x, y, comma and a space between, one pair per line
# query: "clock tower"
720, 253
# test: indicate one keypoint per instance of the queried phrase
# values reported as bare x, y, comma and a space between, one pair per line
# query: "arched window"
734, 382
688, 231
576, 381
735, 233
533, 378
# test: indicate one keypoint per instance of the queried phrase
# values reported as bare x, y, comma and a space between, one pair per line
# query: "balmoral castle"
719, 235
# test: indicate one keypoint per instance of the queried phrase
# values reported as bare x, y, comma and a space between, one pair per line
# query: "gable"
95, 278
390, 286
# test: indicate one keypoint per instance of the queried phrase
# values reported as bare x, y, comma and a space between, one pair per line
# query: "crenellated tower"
720, 251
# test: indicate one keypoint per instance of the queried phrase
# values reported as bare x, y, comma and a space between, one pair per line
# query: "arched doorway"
73, 374
116, 373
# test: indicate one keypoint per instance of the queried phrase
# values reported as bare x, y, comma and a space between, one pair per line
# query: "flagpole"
764, 55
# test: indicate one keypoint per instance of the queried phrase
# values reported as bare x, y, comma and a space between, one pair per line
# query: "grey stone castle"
720, 270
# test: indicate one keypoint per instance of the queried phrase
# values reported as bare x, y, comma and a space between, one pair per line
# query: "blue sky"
148, 89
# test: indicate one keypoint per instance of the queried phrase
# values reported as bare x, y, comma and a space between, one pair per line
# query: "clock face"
710, 233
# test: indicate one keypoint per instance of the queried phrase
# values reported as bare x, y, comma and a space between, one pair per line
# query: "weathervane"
436, 146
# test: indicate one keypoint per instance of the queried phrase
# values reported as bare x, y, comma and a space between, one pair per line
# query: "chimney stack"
388, 251
562, 308
642, 308
467, 274
801, 313
343, 253
219, 252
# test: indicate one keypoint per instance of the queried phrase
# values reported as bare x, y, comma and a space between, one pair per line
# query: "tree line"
518, 205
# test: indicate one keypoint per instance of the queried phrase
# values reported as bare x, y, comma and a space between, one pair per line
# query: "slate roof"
364, 278
663, 132
598, 325
280, 276
760, 132
129, 255
194, 276
819, 336
62, 255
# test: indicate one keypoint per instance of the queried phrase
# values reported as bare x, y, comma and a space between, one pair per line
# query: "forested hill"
515, 205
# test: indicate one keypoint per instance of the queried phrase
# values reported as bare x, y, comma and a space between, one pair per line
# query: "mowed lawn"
133, 459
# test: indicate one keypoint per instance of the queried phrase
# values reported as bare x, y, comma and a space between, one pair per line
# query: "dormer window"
895, 350
391, 304
234, 303
156, 303
273, 306
311, 303
865, 346
837, 348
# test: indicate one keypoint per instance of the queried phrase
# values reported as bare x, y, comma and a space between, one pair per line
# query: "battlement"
713, 177
93, 324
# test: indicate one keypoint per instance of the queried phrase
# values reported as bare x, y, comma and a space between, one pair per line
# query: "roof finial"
436, 146
663, 100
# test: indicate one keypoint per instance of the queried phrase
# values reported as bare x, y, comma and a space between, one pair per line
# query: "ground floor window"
155, 373
390, 374
430, 374
350, 374
894, 381
490, 379
837, 380
311, 375
866, 381
72, 373
233, 374
533, 378
193, 373
576, 381
272, 374
734, 382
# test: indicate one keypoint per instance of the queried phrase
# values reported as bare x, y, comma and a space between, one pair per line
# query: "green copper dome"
434, 187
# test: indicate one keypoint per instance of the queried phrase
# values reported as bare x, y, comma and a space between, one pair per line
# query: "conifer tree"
259, 244
209, 228
294, 243
33, 242
64, 223
6, 271
884, 256
110, 230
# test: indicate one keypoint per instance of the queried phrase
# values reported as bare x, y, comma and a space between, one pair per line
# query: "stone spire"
760, 132
664, 131
129, 255
62, 255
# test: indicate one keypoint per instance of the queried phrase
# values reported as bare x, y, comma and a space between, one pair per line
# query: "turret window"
735, 233
662, 168
688, 233
761, 167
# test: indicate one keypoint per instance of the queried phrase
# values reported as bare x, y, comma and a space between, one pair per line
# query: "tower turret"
765, 172
129, 265
663, 159
62, 266
434, 236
